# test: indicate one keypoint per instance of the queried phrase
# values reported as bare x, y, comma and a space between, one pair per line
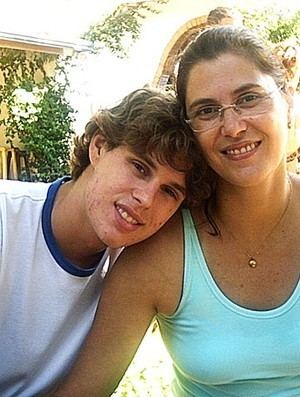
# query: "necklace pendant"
252, 263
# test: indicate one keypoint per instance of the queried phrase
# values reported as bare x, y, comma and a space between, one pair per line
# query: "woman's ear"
290, 90
289, 97
96, 148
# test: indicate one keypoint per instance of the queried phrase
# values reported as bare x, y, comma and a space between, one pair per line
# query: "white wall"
106, 79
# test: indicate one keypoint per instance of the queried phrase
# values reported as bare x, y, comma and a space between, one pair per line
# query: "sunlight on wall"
103, 80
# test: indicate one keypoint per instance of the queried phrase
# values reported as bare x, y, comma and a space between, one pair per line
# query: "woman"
228, 307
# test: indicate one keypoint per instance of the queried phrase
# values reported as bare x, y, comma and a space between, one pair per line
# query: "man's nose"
145, 193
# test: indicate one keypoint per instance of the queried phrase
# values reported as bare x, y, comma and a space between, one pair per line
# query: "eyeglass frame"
233, 106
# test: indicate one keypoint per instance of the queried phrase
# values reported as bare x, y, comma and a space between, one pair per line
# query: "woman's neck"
248, 209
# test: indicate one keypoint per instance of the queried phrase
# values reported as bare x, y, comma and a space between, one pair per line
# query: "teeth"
245, 149
126, 216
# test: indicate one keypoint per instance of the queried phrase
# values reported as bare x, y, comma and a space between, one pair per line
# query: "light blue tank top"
221, 349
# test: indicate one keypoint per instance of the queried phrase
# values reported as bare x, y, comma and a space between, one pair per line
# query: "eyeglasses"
251, 104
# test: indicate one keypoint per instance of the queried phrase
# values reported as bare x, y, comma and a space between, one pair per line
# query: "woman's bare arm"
138, 286
123, 316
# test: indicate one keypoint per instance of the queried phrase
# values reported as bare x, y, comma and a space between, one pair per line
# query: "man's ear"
96, 148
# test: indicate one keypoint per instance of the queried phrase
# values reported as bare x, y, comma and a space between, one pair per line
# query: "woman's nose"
232, 123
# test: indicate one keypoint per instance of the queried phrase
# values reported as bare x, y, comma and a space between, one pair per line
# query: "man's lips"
128, 215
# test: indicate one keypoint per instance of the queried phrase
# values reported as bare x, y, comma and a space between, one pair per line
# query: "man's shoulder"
19, 189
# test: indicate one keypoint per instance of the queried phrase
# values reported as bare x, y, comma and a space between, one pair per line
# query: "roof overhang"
32, 43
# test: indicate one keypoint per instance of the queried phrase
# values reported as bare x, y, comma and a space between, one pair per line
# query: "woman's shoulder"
157, 264
162, 241
295, 179
295, 197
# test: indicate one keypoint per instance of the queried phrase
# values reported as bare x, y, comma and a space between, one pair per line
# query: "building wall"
106, 79
103, 80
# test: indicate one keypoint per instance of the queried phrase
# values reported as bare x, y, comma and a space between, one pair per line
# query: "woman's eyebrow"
202, 101
245, 87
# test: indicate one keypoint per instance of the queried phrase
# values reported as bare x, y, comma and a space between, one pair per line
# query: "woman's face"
243, 147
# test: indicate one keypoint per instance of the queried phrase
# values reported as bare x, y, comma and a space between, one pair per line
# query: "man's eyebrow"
148, 159
179, 187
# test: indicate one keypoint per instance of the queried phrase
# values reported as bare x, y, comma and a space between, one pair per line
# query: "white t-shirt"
47, 304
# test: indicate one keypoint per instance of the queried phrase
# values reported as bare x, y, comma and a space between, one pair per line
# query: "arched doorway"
167, 66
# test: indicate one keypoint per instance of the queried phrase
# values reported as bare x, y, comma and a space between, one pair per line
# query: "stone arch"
169, 58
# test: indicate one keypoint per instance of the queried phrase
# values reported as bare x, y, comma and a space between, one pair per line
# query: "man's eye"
140, 167
171, 192
207, 112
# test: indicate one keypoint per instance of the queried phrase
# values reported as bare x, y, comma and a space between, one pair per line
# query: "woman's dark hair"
216, 41
211, 44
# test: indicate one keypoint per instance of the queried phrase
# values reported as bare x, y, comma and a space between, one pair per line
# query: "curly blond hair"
147, 121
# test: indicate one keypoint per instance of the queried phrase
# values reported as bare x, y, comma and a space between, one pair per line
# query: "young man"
130, 173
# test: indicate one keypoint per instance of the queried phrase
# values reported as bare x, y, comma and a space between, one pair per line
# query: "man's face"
128, 197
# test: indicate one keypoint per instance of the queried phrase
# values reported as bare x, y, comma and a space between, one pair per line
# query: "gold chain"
252, 262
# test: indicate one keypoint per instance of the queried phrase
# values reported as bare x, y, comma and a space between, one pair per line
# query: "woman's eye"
207, 112
248, 99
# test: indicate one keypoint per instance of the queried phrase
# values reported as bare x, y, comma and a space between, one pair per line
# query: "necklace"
252, 261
